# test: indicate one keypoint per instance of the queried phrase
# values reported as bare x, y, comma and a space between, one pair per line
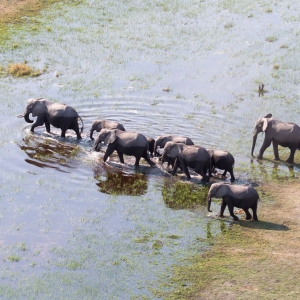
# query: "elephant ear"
38, 108
99, 126
110, 137
268, 116
175, 150
265, 124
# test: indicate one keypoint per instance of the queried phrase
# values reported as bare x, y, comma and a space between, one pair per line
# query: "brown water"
72, 226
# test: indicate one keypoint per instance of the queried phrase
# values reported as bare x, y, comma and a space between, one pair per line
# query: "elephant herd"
177, 151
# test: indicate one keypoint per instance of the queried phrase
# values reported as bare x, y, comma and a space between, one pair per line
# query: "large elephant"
191, 156
124, 142
101, 124
222, 160
285, 134
240, 196
163, 139
58, 115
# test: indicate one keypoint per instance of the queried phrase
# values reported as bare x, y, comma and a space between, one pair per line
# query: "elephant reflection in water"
180, 195
48, 153
117, 182
279, 171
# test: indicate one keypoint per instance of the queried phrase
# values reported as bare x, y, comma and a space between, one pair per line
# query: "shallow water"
74, 227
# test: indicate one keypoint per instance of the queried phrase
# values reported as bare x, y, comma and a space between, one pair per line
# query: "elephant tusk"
20, 116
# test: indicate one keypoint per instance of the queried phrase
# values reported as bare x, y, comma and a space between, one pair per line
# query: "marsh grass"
22, 70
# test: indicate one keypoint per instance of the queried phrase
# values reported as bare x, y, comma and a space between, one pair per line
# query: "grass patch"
13, 258
22, 70
271, 39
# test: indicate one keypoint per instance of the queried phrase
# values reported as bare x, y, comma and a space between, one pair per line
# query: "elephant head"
217, 190
260, 126
96, 125
170, 152
35, 106
107, 136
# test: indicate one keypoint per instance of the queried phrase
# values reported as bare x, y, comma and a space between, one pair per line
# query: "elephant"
285, 134
240, 196
124, 142
191, 156
163, 139
151, 143
58, 115
100, 124
222, 160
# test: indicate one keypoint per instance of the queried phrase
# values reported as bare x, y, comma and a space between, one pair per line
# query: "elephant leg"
176, 164
265, 145
232, 178
200, 171
246, 210
137, 161
230, 207
275, 150
63, 132
147, 159
39, 122
290, 159
109, 151
224, 173
223, 206
180, 161
254, 209
47, 124
120, 154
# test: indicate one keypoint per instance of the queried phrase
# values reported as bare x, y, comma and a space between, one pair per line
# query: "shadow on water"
118, 182
264, 225
180, 195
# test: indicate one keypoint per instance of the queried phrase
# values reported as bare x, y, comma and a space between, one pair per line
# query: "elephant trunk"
26, 117
253, 143
208, 204
91, 133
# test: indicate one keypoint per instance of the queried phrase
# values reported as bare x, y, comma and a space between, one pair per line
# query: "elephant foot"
235, 218
248, 218
276, 158
260, 157
290, 161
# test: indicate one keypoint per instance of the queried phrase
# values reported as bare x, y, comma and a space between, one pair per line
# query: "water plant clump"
22, 70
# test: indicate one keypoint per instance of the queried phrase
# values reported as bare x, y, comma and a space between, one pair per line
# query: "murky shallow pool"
73, 227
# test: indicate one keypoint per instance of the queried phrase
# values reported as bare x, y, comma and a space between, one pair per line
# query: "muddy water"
72, 225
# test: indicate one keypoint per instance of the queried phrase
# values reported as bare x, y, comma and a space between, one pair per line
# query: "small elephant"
151, 143
163, 139
101, 124
124, 142
58, 115
191, 156
222, 160
285, 134
240, 196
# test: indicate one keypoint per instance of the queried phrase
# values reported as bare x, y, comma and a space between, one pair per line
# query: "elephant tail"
81, 130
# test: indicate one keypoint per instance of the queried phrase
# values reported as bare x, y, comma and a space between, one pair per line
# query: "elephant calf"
58, 115
163, 139
240, 196
151, 143
222, 160
124, 142
101, 124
